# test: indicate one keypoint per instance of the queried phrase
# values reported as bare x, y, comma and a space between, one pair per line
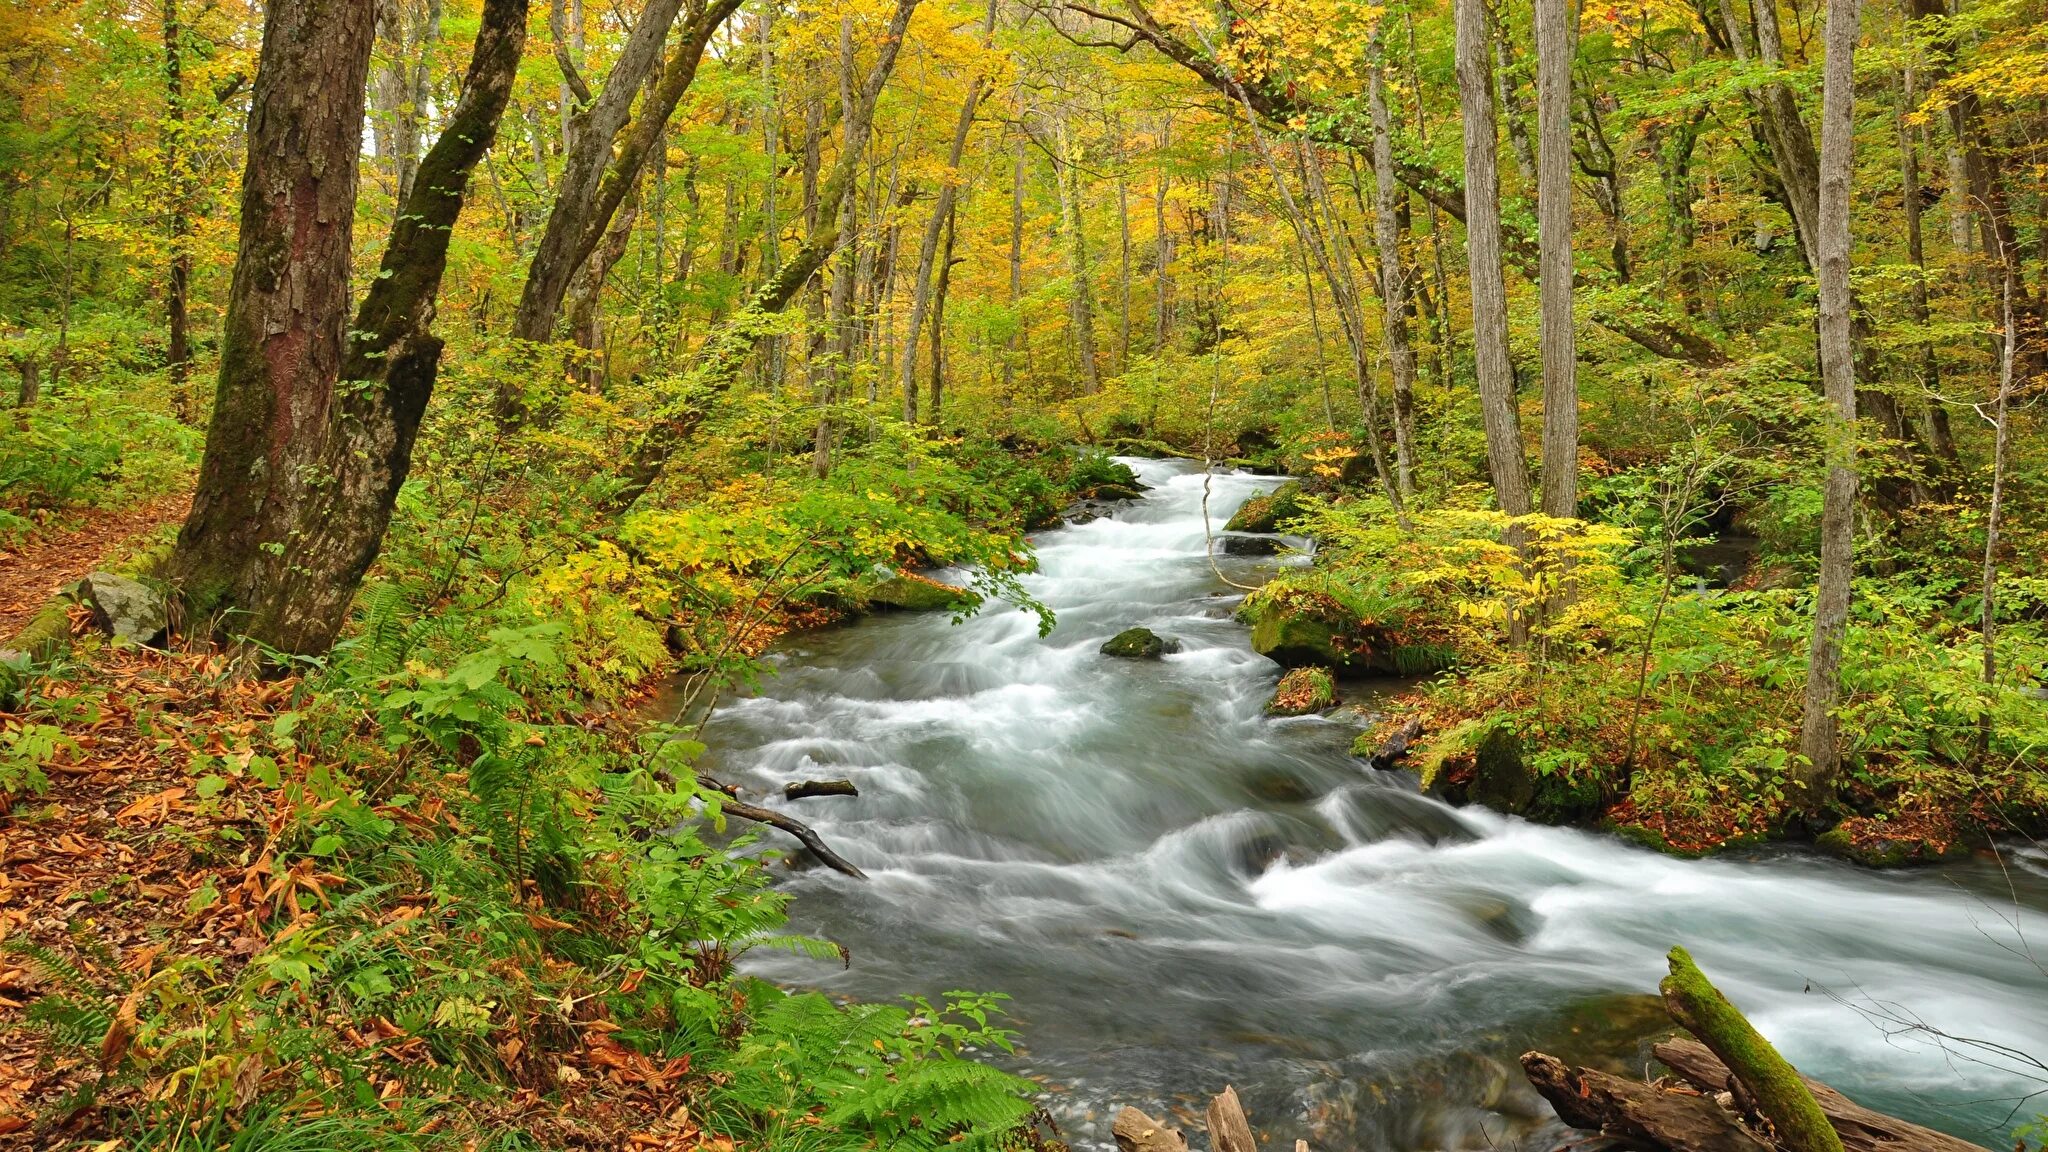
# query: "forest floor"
35, 570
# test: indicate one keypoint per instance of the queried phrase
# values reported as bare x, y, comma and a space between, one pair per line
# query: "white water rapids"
1179, 892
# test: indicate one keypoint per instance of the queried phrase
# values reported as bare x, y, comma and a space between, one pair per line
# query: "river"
1180, 893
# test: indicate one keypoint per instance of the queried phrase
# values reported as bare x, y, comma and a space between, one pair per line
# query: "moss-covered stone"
909, 592
1139, 644
1114, 492
1916, 839
1266, 513
1302, 691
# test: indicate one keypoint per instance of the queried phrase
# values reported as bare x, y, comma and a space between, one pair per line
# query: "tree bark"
177, 167
1817, 730
1700, 1008
945, 276
1393, 272
314, 416
1509, 468
1555, 40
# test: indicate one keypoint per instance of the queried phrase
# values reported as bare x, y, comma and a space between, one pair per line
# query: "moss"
1302, 691
1139, 644
1780, 1094
1266, 513
913, 593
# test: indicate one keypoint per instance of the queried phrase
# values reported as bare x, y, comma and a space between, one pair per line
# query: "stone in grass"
1139, 644
1302, 691
130, 610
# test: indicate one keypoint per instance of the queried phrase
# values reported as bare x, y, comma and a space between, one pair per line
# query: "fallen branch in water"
1229, 1129
734, 806
805, 789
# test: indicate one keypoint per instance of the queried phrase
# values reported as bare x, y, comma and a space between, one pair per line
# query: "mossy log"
1860, 1128
1780, 1093
1640, 1116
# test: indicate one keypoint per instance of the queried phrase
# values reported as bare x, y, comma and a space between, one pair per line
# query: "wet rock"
128, 609
1916, 837
1294, 637
909, 592
1237, 545
1139, 644
1115, 492
1501, 779
1139, 446
1264, 513
1275, 787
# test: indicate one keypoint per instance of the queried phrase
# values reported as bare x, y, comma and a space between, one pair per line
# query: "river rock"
1264, 513
1139, 644
1114, 492
910, 592
1916, 838
1233, 544
127, 608
1303, 691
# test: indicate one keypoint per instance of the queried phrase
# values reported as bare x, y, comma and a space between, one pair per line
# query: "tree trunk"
177, 168
1817, 735
1081, 299
1555, 38
939, 320
606, 157
314, 415
725, 352
942, 218
1016, 271
1496, 379
1162, 240
1927, 372
1393, 272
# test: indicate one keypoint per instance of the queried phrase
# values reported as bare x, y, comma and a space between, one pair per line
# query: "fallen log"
1861, 1129
805, 789
1646, 1117
1396, 746
1770, 1080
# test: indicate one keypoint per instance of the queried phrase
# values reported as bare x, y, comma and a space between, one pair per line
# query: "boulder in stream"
1302, 691
1264, 513
909, 592
1139, 644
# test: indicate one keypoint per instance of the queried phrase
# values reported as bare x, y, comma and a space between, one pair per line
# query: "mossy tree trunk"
314, 416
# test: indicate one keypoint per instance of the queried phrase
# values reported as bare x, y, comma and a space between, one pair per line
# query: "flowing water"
1179, 892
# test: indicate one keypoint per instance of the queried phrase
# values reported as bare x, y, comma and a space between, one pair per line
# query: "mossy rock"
1501, 778
909, 592
1881, 844
1303, 691
1139, 644
1115, 492
1141, 447
1294, 638
1265, 513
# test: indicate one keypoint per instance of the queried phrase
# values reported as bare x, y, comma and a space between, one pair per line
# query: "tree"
314, 416
1817, 730
1555, 36
1510, 470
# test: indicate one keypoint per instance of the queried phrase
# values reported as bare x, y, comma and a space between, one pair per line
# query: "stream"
1179, 892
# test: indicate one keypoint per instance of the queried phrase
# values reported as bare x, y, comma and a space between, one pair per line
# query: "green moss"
1302, 691
1780, 1094
1139, 644
916, 594
1267, 513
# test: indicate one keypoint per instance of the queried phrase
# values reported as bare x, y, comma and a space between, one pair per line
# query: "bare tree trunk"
1081, 300
1496, 379
2001, 421
314, 416
1933, 411
1393, 272
1817, 730
1123, 223
1555, 38
773, 351
1511, 113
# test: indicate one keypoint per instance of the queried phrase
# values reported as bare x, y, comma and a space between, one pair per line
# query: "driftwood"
1229, 1131
1137, 1132
732, 805
805, 789
1641, 1116
1860, 1129
1779, 1092
1396, 746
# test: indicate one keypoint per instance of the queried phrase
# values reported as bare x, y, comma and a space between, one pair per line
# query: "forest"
818, 574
